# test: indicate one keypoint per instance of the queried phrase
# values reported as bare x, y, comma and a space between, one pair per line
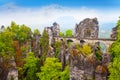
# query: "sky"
42, 13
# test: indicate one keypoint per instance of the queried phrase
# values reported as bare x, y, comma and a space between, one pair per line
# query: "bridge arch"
106, 42
103, 47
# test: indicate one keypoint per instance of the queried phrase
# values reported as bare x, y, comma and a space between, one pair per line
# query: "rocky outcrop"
114, 33
51, 52
88, 28
53, 31
13, 74
2, 28
92, 67
9, 70
12, 71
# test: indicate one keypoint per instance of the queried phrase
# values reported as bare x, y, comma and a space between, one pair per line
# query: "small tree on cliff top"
68, 33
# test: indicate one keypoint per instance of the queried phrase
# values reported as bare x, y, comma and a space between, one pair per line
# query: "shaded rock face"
3, 73
114, 33
88, 67
12, 71
83, 68
35, 45
2, 28
6, 73
51, 52
88, 28
77, 71
53, 31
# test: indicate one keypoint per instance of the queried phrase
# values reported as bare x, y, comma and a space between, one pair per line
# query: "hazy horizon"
42, 13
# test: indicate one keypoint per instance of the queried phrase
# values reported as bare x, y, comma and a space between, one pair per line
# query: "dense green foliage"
68, 33
65, 75
52, 70
21, 32
30, 67
6, 43
57, 46
30, 52
36, 32
7, 50
114, 67
44, 45
85, 49
61, 34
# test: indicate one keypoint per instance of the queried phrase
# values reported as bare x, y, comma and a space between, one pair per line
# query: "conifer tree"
44, 45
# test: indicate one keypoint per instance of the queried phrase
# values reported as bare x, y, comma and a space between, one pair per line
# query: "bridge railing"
105, 39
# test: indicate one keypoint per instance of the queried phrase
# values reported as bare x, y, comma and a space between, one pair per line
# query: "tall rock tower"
114, 33
53, 31
88, 28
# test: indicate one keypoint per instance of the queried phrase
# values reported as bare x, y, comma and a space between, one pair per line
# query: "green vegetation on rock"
52, 70
114, 67
30, 67
44, 45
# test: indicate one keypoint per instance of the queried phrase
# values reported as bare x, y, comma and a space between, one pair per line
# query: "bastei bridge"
106, 41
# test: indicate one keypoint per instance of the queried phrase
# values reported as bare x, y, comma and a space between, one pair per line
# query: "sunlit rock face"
53, 31
114, 33
88, 28
13, 73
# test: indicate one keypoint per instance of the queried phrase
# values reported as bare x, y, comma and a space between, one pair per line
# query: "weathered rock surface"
114, 33
2, 28
88, 67
77, 71
88, 28
12, 71
51, 52
53, 31
9, 71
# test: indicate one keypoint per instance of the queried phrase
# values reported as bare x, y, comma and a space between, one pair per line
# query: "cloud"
40, 17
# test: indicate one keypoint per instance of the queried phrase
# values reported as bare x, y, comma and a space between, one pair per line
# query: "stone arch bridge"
106, 41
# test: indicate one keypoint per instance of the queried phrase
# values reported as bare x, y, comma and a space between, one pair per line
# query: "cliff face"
91, 67
88, 28
114, 33
53, 31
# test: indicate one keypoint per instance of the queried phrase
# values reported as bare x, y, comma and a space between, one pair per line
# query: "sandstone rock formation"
88, 28
114, 33
12, 72
88, 67
53, 31
2, 28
